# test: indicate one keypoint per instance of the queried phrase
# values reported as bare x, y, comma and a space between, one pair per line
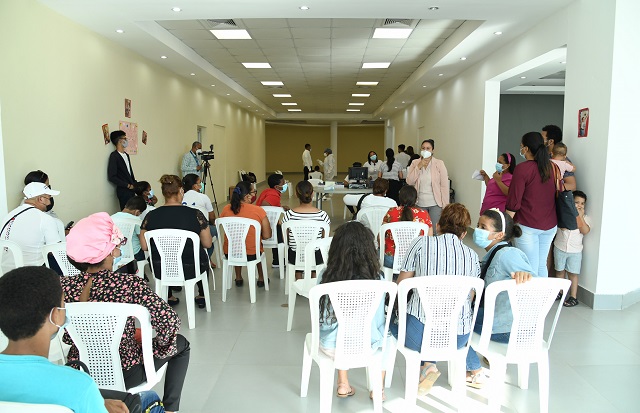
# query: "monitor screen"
358, 173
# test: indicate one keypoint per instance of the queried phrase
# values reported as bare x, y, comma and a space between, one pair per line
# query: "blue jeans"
413, 341
214, 233
497, 337
147, 398
536, 243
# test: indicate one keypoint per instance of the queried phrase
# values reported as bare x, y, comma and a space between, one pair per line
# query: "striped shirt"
292, 215
444, 254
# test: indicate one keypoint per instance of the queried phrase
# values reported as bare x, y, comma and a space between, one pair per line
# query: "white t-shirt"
403, 158
376, 201
126, 161
31, 230
146, 211
199, 201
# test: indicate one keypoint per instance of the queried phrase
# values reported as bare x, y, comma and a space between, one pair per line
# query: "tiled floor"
244, 360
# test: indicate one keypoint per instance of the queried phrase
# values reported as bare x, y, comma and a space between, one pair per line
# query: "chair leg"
216, 251
375, 379
291, 272
306, 371
225, 270
281, 260
191, 306
265, 274
391, 362
326, 388
411, 381
292, 305
251, 270
344, 213
523, 375
543, 378
205, 287
498, 374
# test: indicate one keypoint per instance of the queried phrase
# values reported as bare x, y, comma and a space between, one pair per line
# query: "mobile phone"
69, 225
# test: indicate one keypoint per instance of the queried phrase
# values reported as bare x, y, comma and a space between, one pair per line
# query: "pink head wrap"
93, 238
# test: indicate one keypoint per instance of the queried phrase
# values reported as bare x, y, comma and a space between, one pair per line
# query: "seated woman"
143, 189
442, 254
503, 262
372, 164
272, 196
352, 256
379, 198
92, 246
174, 215
241, 207
195, 198
304, 211
407, 211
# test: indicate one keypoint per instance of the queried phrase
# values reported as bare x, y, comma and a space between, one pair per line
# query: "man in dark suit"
119, 170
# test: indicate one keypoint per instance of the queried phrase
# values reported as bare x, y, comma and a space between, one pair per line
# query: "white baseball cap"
35, 189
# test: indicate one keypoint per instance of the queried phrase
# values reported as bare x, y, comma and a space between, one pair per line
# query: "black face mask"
50, 206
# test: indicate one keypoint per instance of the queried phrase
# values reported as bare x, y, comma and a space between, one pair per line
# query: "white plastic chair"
530, 303
371, 217
236, 230
354, 304
32, 408
59, 252
127, 226
403, 233
316, 182
96, 330
303, 286
442, 298
14, 249
303, 232
274, 214
169, 244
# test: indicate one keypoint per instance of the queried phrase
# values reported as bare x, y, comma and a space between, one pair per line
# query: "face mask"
199, 151
125, 144
50, 206
481, 237
326, 154
150, 194
498, 167
425, 154
522, 154
116, 260
201, 189
284, 188
66, 322
374, 158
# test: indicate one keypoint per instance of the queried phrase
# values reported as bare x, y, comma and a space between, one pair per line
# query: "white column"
334, 141
3, 175
389, 135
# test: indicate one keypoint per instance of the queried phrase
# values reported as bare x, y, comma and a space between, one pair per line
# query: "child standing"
567, 248
559, 157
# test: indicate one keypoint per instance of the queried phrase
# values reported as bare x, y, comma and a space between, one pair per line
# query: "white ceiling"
317, 53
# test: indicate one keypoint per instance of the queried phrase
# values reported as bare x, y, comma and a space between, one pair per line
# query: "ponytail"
407, 198
390, 158
535, 143
241, 190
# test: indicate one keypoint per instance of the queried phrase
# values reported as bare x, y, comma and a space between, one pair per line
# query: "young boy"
132, 209
567, 248
559, 157
271, 197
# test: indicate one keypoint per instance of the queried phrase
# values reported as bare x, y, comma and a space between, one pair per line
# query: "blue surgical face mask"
284, 188
374, 158
150, 194
125, 144
66, 321
201, 189
481, 237
522, 154
498, 167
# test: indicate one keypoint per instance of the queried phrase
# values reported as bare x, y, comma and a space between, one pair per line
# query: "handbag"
566, 210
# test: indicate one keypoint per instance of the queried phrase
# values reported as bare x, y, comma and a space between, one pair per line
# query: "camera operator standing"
191, 160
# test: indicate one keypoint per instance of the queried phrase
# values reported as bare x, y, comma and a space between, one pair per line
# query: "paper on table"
477, 175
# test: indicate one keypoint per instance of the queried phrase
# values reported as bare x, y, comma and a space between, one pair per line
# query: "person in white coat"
329, 164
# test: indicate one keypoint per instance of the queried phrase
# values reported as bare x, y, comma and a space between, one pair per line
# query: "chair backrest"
442, 298
32, 408
127, 226
371, 217
96, 330
354, 303
314, 182
273, 214
310, 264
403, 233
236, 230
59, 252
530, 303
303, 232
170, 244
10, 247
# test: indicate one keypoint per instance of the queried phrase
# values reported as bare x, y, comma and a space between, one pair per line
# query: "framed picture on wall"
583, 123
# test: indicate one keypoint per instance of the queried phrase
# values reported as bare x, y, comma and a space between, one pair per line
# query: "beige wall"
285, 144
59, 82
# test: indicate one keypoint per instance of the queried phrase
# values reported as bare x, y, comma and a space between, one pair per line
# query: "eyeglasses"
123, 242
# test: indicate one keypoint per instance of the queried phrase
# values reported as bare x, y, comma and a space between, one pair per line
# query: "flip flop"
427, 379
350, 393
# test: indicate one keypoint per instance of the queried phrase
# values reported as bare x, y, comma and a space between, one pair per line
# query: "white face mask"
425, 154
198, 151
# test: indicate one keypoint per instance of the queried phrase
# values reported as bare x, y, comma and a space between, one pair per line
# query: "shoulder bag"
566, 210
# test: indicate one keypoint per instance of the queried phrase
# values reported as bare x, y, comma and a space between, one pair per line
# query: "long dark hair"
510, 230
535, 143
407, 198
189, 180
352, 256
242, 189
390, 158
511, 160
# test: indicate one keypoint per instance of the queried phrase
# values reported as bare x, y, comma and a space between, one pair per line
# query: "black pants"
174, 377
306, 173
276, 257
124, 195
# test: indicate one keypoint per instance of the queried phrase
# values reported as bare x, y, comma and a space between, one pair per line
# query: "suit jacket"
439, 180
117, 172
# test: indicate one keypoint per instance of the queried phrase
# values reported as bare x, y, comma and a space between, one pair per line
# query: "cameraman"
191, 160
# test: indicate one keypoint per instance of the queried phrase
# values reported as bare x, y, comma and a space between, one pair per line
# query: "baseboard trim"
608, 301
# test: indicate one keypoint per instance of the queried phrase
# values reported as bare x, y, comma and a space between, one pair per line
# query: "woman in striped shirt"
442, 254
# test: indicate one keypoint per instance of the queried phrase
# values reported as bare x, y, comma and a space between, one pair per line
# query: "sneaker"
478, 380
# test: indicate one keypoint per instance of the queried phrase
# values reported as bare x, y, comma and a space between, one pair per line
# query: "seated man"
31, 314
30, 227
133, 208
316, 174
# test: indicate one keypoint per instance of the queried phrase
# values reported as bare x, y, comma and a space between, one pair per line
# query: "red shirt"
419, 215
533, 201
271, 196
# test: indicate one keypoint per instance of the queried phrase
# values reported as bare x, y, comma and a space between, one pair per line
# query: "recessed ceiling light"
239, 101
294, 110
356, 104
403, 101
424, 85
384, 33
192, 74
213, 85
395, 107
463, 58
497, 33
523, 77
353, 110
120, 31
257, 65
289, 104
281, 95
176, 9
366, 83
272, 83
228, 94
440, 74
304, 7
231, 34
564, 63
163, 57
361, 95
434, 8
380, 65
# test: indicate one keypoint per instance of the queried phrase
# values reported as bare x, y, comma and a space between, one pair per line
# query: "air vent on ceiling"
218, 23
398, 22
372, 122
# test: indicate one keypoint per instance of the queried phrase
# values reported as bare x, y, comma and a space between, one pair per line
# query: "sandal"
351, 391
173, 301
239, 282
559, 296
428, 377
571, 302
384, 398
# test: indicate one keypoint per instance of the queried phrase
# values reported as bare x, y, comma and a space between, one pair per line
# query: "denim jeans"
413, 341
536, 243
477, 328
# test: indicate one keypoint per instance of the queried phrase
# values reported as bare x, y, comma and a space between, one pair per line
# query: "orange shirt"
246, 211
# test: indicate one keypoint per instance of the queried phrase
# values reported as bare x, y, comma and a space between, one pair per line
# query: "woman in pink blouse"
92, 246
498, 187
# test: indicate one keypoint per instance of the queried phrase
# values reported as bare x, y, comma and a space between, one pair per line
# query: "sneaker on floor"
478, 380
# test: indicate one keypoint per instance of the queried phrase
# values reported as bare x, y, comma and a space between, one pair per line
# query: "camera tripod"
207, 173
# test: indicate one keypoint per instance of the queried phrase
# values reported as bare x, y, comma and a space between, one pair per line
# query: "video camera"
207, 155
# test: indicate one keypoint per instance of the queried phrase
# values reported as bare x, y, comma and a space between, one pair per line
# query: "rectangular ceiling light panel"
257, 65
381, 65
231, 34
281, 95
361, 95
386, 33
272, 83
366, 83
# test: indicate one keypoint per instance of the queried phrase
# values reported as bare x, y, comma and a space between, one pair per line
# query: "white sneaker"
478, 380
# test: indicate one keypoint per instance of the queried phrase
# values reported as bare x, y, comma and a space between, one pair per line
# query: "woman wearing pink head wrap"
92, 246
